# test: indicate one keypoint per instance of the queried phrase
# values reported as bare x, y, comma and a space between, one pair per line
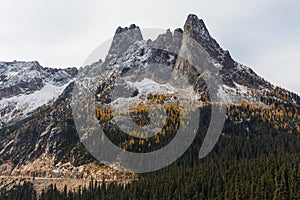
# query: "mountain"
25, 86
36, 110
240, 83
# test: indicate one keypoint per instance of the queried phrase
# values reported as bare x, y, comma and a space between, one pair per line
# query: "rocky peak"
178, 33
131, 27
195, 28
177, 39
167, 46
123, 39
163, 40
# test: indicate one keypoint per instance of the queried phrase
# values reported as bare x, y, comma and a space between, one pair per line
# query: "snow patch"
23, 105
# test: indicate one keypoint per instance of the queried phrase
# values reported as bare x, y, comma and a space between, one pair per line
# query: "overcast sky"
264, 35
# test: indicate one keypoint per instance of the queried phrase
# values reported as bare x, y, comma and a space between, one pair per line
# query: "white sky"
264, 35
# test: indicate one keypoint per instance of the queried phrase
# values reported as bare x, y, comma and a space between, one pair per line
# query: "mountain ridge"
52, 128
25, 86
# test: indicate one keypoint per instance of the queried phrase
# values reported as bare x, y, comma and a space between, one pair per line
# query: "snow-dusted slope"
25, 86
22, 105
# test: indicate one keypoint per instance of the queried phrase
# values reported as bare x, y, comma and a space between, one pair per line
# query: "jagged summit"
129, 50
123, 39
193, 27
196, 28
131, 27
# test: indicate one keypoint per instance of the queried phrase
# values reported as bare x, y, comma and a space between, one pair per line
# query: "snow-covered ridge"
25, 86
17, 72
